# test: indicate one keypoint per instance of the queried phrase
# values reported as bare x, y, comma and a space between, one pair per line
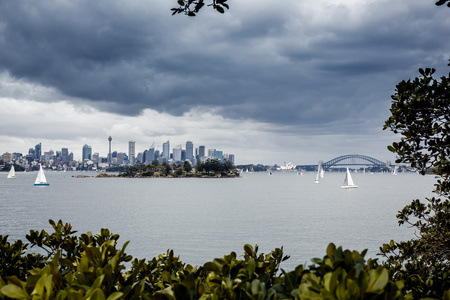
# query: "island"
210, 168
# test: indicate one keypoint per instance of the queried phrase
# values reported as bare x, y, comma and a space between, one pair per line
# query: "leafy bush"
92, 267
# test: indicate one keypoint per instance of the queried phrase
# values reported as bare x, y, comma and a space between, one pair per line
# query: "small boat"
12, 172
319, 173
317, 178
395, 172
40, 178
348, 181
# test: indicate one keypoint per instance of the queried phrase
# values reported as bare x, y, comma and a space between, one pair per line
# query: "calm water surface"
201, 219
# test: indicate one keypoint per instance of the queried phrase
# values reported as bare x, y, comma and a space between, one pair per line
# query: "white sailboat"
317, 176
12, 172
348, 181
40, 178
395, 170
319, 172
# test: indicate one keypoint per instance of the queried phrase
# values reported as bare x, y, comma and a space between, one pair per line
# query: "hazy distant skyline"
270, 81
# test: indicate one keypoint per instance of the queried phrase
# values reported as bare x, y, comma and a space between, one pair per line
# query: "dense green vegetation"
93, 267
208, 168
421, 115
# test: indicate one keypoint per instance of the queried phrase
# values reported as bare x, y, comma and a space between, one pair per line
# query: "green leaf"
97, 295
15, 292
377, 280
114, 296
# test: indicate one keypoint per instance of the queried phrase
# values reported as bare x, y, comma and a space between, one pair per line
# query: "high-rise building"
132, 152
189, 151
140, 157
150, 156
87, 152
231, 158
38, 151
96, 157
201, 151
64, 155
211, 153
218, 154
120, 158
177, 154
166, 150
109, 153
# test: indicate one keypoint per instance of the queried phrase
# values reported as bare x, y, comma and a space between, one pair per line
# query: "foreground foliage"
93, 267
421, 115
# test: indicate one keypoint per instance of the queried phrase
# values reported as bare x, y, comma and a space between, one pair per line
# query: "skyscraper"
150, 156
218, 154
201, 151
166, 150
64, 155
132, 152
177, 153
189, 151
37, 151
87, 152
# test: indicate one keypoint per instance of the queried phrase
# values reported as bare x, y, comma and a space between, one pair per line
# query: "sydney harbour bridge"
350, 160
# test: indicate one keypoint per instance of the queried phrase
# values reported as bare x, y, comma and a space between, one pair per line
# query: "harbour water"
201, 219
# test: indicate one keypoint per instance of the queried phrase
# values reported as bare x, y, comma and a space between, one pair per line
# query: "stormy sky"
269, 81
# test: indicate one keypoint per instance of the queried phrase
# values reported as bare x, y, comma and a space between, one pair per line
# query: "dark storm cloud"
269, 65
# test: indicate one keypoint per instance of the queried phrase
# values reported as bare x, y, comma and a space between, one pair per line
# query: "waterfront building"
120, 158
7, 157
86, 153
166, 150
37, 151
201, 151
64, 155
218, 154
189, 151
140, 157
177, 154
150, 156
211, 153
131, 152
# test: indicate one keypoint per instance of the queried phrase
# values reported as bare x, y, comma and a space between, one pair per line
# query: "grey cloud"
125, 57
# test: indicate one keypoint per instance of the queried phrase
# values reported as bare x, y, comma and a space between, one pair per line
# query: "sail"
349, 178
12, 173
348, 181
346, 178
40, 178
319, 172
395, 170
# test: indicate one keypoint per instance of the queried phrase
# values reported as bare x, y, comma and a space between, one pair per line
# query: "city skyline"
166, 153
271, 82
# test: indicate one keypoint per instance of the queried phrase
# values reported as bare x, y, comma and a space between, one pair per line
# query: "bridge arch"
353, 160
